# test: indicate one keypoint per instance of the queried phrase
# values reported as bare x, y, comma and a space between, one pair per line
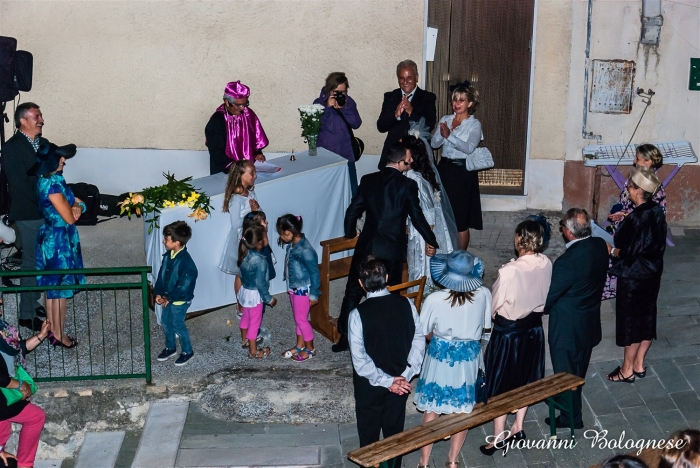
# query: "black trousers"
378, 410
28, 301
574, 362
354, 292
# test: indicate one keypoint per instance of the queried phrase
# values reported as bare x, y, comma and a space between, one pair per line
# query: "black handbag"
358, 146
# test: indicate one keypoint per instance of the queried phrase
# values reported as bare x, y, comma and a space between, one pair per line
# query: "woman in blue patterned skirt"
58, 243
452, 320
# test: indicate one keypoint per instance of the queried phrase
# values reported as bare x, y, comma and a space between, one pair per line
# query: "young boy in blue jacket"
174, 290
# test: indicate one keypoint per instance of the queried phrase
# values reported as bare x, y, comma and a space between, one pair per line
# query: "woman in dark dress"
638, 261
31, 417
459, 134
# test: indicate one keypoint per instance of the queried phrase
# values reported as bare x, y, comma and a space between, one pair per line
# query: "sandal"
423, 466
291, 352
265, 353
244, 343
640, 375
310, 353
450, 464
616, 376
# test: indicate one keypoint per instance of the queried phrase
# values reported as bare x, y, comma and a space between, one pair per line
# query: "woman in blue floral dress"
452, 320
58, 243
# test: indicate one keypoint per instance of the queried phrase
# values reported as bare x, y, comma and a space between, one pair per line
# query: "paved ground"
248, 402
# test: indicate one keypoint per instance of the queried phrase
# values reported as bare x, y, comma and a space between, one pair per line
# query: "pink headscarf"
244, 132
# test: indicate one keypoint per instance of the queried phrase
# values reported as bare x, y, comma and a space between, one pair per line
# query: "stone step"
158, 447
287, 457
51, 463
99, 449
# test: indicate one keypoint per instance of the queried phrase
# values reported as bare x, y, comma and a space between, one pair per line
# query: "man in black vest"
18, 155
573, 302
408, 103
387, 348
388, 198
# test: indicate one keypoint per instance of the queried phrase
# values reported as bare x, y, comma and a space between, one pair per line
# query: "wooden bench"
321, 319
424, 434
416, 295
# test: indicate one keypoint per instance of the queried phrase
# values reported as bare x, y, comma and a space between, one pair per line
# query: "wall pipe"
584, 133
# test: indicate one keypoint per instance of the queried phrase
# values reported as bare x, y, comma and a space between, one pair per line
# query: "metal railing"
110, 321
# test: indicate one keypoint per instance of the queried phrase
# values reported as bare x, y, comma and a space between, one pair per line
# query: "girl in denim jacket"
303, 283
255, 287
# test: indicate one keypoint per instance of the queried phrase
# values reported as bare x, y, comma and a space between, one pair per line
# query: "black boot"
341, 345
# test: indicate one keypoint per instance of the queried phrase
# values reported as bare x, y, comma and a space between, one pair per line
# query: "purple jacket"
334, 134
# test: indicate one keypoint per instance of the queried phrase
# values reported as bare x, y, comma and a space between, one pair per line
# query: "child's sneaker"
183, 359
166, 354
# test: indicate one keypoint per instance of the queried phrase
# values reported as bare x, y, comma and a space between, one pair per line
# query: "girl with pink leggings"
303, 283
255, 287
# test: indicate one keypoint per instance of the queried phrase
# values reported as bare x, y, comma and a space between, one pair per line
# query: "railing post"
146, 327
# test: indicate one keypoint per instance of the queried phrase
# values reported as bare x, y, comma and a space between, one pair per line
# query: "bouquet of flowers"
310, 119
175, 192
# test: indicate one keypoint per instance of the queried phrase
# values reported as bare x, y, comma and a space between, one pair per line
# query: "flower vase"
311, 139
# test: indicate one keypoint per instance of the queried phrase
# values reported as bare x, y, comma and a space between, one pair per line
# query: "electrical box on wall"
694, 81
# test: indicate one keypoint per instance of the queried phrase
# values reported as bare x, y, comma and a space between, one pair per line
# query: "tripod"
4, 189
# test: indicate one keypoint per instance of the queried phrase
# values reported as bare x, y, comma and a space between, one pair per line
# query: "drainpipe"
584, 133
651, 22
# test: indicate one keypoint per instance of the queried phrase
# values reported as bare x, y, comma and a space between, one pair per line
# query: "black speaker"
8, 48
24, 62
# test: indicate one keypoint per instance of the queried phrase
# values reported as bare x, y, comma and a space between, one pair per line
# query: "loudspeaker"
24, 62
8, 47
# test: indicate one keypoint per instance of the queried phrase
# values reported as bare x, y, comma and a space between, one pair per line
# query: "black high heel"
514, 438
640, 375
56, 342
494, 448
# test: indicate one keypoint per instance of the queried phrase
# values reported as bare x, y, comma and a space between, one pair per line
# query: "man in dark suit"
388, 197
573, 303
401, 106
18, 155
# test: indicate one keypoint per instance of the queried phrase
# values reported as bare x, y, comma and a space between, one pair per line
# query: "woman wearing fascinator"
453, 320
460, 134
515, 355
58, 242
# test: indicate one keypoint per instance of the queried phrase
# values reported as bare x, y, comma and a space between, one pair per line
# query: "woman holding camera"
340, 114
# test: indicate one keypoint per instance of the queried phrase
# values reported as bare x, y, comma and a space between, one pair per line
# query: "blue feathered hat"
48, 156
459, 271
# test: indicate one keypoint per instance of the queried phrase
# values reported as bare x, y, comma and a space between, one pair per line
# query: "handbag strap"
352, 135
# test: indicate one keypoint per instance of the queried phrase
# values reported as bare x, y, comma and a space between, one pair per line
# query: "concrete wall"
148, 74
673, 115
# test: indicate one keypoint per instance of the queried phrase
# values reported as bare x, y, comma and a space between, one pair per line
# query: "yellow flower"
181, 203
137, 198
198, 215
138, 211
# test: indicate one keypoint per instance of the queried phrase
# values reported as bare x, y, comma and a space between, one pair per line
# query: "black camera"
340, 98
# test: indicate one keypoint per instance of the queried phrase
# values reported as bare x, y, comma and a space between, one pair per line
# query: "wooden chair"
321, 319
433, 431
417, 296
330, 270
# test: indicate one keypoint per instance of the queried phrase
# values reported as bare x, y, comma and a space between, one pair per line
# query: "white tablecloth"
314, 187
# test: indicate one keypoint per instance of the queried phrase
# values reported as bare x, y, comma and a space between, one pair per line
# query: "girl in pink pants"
32, 420
303, 283
255, 287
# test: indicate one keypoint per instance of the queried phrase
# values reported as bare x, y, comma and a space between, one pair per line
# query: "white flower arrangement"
310, 116
414, 132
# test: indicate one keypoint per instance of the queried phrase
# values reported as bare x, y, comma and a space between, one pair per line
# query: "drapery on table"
316, 188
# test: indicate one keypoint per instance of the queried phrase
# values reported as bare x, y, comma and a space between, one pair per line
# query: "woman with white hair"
638, 261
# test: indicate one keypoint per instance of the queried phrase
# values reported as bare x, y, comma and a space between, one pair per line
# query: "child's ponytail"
291, 223
250, 239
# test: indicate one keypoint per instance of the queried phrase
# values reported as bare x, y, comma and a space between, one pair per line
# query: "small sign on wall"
613, 85
694, 82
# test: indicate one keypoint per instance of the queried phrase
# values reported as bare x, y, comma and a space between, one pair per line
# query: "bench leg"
552, 420
569, 398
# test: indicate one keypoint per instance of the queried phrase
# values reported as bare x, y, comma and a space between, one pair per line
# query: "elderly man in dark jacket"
573, 303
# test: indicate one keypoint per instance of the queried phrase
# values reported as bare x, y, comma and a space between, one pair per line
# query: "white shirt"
363, 364
409, 96
462, 141
465, 322
572, 242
